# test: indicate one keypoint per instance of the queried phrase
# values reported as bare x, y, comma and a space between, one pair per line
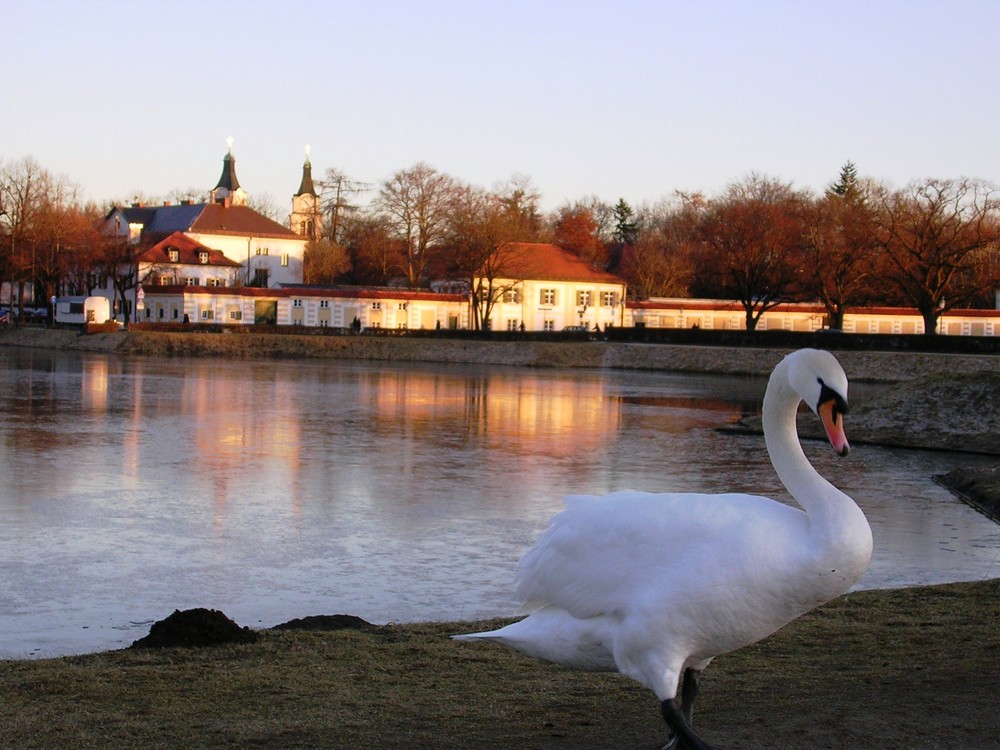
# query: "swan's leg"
689, 691
683, 734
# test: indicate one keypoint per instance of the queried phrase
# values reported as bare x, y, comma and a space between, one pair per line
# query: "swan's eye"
826, 393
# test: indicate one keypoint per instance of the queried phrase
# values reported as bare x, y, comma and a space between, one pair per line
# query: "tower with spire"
228, 190
306, 217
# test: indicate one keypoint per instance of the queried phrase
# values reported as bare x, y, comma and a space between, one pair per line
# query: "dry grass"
918, 668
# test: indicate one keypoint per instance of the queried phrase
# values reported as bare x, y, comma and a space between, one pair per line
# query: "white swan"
656, 585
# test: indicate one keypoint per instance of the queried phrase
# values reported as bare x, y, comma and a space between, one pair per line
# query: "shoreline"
862, 366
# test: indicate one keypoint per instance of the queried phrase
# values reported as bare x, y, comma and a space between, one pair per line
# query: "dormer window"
203, 256
174, 254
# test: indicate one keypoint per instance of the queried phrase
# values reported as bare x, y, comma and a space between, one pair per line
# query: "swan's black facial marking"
826, 393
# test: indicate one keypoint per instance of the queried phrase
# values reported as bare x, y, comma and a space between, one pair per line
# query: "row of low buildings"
366, 308
222, 262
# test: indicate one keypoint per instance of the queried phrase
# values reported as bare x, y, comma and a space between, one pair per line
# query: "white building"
541, 287
266, 253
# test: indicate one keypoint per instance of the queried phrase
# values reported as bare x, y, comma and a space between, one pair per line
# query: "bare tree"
484, 234
24, 188
417, 202
752, 244
658, 263
338, 194
934, 236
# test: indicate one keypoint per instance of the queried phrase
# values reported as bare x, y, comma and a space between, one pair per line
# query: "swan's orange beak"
831, 415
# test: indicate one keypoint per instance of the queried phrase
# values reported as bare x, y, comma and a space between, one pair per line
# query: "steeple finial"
229, 144
306, 186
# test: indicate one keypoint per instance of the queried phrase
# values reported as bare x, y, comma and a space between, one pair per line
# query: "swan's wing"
600, 551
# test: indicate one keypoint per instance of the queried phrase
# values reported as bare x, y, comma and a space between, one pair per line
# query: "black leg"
684, 736
689, 691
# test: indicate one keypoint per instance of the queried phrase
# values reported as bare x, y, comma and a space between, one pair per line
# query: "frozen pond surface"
273, 490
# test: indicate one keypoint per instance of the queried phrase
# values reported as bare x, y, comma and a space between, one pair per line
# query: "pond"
279, 489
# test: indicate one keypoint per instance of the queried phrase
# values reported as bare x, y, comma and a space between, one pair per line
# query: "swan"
655, 586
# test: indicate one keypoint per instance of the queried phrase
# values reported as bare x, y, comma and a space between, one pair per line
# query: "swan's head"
820, 381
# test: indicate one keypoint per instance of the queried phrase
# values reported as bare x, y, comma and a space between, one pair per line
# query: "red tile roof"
546, 262
217, 218
188, 252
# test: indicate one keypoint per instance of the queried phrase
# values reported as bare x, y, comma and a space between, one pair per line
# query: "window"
609, 299
176, 314
583, 298
236, 315
262, 251
284, 259
511, 324
296, 303
549, 325
376, 305
324, 323
166, 280
207, 315
401, 306
324, 303
547, 297
203, 256
216, 282
174, 254
160, 313
192, 281
511, 296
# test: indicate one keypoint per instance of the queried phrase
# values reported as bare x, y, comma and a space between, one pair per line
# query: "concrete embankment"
860, 366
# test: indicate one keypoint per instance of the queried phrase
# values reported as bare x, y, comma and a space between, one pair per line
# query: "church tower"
306, 218
228, 189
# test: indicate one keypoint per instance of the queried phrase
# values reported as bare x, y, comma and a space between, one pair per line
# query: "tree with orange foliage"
576, 230
839, 247
752, 240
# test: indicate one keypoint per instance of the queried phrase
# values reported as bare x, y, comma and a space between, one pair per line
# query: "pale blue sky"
631, 98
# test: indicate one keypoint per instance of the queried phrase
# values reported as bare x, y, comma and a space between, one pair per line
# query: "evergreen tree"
846, 185
626, 227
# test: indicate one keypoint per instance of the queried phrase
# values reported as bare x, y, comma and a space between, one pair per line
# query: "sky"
632, 99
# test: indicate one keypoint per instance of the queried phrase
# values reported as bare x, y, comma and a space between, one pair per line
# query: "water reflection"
272, 490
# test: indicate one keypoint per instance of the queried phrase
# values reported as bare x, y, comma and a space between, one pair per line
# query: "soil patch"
327, 623
194, 628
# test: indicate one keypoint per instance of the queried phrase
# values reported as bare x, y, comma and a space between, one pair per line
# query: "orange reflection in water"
521, 412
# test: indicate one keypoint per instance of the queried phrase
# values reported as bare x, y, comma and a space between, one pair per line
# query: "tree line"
933, 245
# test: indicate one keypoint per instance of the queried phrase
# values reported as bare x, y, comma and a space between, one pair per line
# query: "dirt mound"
193, 628
327, 622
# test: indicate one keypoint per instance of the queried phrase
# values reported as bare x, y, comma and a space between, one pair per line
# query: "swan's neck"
840, 539
828, 508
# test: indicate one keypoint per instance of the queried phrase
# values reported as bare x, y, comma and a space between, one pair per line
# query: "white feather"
651, 584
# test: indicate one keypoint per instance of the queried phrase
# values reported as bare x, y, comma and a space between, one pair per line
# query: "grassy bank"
878, 670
